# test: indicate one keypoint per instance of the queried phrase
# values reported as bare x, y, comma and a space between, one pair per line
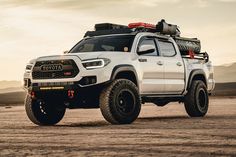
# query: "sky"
30, 28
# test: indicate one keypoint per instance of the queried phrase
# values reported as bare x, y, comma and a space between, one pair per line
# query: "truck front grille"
55, 69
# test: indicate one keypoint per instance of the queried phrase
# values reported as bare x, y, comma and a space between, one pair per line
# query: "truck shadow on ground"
104, 123
87, 124
171, 120
187, 117
163, 118
161, 122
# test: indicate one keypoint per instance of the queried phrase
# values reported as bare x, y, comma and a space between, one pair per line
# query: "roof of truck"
96, 34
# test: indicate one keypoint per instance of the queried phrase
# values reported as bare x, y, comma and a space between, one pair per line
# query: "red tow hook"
32, 94
71, 94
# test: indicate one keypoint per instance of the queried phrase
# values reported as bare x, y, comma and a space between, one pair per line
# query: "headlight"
95, 63
29, 66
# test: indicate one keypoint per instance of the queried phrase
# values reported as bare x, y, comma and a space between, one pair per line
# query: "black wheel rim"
42, 107
202, 99
125, 102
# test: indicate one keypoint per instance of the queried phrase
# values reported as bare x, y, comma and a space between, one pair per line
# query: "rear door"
151, 67
173, 67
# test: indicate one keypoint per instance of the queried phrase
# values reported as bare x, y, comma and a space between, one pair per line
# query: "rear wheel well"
199, 77
127, 75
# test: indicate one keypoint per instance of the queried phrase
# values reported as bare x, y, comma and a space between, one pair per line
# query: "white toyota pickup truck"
117, 68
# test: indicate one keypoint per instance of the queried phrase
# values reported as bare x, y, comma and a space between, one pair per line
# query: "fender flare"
123, 68
194, 73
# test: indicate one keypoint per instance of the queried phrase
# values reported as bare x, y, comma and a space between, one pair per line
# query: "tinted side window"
167, 48
148, 41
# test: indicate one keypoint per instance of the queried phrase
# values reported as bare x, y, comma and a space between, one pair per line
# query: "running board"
162, 99
161, 95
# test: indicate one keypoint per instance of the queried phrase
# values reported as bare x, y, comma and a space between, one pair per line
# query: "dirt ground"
159, 131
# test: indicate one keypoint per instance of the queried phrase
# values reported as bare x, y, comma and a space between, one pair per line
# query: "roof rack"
107, 32
108, 26
162, 28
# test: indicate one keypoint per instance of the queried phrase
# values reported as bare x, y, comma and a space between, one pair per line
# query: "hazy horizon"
29, 29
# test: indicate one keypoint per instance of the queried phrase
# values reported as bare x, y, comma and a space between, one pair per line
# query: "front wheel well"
129, 75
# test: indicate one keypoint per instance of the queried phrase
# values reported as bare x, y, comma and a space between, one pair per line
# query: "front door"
152, 69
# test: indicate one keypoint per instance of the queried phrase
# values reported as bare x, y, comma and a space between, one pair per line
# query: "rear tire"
43, 113
120, 102
197, 101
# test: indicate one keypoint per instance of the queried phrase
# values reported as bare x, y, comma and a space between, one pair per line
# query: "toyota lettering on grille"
51, 67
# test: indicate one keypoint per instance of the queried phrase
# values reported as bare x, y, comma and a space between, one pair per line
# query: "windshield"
122, 43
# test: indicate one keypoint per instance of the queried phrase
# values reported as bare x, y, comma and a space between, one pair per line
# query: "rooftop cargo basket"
107, 26
185, 44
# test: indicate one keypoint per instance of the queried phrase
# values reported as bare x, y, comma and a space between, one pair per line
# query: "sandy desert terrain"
165, 131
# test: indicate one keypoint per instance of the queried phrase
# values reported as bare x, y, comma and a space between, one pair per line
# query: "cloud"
153, 3
202, 3
83, 4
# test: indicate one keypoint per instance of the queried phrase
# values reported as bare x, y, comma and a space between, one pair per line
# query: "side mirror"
65, 52
145, 49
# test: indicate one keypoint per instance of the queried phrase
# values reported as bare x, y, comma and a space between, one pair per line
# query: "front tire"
43, 113
197, 101
120, 102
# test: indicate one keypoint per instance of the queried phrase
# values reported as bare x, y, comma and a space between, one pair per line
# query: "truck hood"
87, 55
100, 54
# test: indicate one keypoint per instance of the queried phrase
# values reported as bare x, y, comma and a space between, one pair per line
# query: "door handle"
179, 64
159, 63
142, 60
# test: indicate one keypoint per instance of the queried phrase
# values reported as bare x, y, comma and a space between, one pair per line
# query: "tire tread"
105, 99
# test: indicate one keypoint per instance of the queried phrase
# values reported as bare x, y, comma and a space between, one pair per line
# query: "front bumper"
47, 86
71, 94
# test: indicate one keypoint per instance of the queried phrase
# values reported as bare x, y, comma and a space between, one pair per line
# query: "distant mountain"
225, 73
12, 89
12, 98
11, 92
10, 84
225, 89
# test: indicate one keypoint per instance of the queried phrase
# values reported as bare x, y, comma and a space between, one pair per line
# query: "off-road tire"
50, 115
120, 102
196, 101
